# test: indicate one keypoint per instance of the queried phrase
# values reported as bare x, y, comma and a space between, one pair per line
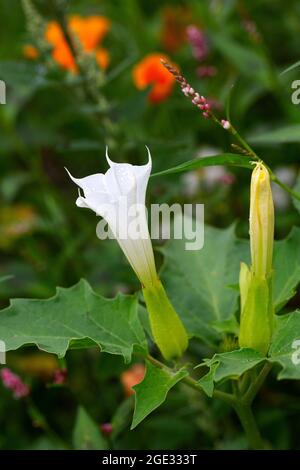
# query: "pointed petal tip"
149, 156
72, 177
109, 161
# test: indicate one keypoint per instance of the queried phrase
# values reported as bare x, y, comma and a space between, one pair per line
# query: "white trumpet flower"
119, 197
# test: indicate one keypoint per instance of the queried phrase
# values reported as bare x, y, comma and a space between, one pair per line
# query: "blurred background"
81, 75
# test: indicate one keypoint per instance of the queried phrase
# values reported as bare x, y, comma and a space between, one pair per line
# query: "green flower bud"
257, 311
168, 331
261, 222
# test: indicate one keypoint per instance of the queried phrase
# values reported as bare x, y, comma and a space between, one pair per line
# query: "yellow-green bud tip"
261, 221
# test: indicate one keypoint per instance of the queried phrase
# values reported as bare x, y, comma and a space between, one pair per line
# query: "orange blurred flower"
150, 71
16, 221
131, 377
89, 30
37, 364
102, 58
30, 52
174, 22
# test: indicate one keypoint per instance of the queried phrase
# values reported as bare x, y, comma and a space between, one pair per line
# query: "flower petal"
90, 183
123, 178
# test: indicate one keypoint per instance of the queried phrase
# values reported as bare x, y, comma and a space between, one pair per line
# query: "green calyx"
257, 311
168, 331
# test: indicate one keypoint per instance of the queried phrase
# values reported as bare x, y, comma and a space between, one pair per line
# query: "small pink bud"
225, 124
59, 376
206, 115
106, 428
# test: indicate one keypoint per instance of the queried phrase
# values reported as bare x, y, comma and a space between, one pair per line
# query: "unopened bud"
261, 222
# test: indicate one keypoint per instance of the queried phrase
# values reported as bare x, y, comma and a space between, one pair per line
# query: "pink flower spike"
206, 71
59, 376
14, 383
198, 42
106, 428
225, 124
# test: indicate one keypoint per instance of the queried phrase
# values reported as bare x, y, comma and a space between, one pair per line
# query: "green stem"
246, 417
241, 405
242, 141
251, 152
284, 186
226, 397
255, 386
91, 93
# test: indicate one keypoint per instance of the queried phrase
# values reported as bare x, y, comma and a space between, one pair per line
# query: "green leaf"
286, 268
122, 417
291, 67
86, 434
207, 381
74, 317
6, 278
283, 135
296, 188
229, 159
153, 390
285, 347
231, 325
228, 365
198, 282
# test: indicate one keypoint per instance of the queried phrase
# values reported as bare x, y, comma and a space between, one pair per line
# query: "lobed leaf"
285, 348
153, 390
228, 365
74, 317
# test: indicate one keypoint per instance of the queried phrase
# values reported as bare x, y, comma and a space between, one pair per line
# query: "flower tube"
119, 197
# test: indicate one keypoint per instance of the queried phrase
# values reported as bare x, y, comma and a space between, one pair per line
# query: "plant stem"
255, 386
91, 93
226, 397
284, 186
242, 141
241, 404
246, 417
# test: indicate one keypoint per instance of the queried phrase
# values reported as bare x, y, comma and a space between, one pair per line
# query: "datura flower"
119, 197
257, 311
